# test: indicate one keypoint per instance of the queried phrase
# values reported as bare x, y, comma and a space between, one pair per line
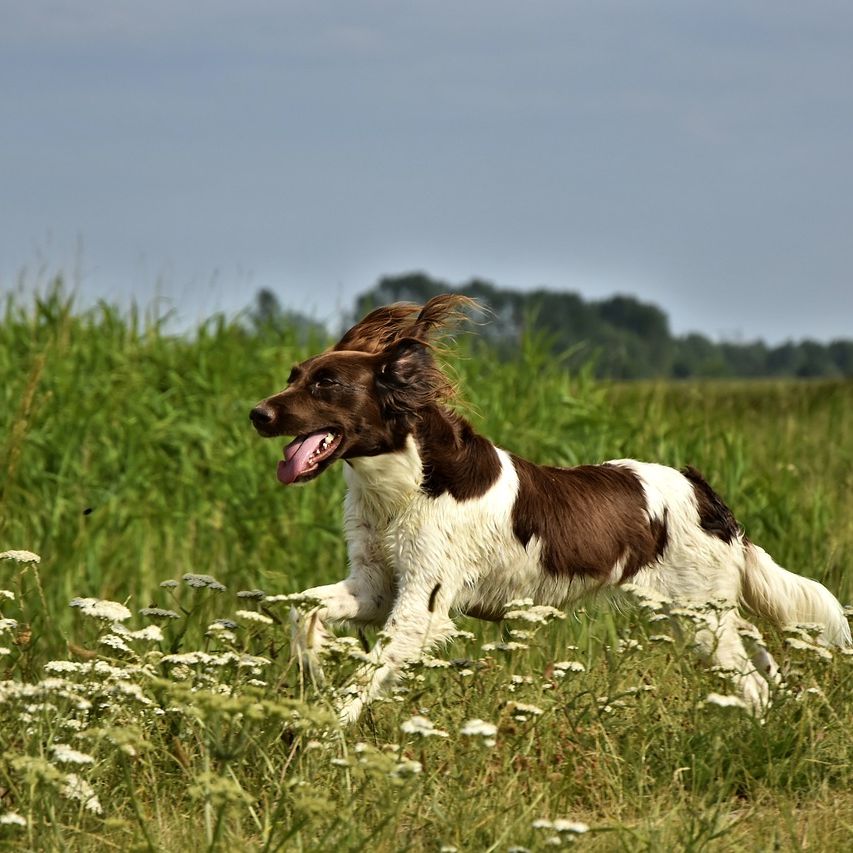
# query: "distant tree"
815, 360
841, 353
267, 316
631, 339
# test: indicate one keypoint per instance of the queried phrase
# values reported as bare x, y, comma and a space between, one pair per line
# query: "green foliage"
630, 339
128, 460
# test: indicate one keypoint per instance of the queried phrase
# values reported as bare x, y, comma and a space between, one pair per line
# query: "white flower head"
564, 666
202, 581
478, 728
114, 642
159, 613
802, 645
254, 616
150, 634
421, 726
7, 594
110, 611
12, 819
77, 788
63, 753
20, 556
524, 709
406, 768
725, 701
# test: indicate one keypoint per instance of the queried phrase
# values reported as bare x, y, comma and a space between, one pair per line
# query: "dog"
439, 521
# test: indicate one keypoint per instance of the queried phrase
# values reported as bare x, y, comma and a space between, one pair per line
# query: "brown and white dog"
439, 521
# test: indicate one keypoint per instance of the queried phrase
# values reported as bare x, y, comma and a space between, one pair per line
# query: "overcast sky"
698, 155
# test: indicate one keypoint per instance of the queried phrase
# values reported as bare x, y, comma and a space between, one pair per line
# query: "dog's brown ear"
442, 311
408, 379
379, 329
384, 326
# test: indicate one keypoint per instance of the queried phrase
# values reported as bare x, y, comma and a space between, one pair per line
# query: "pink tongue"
296, 455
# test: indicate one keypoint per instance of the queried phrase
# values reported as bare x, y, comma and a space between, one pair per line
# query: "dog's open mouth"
304, 455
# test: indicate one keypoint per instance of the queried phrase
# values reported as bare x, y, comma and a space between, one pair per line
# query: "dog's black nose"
262, 415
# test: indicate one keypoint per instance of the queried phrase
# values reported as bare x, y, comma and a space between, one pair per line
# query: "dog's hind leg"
719, 641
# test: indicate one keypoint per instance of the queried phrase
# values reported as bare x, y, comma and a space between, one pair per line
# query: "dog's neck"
442, 454
389, 480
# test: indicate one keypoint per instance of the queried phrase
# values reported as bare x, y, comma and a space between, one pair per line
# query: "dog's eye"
324, 382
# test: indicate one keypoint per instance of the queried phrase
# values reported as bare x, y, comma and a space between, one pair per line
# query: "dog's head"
360, 398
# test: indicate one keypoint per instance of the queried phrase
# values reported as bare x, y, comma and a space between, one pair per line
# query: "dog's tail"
787, 599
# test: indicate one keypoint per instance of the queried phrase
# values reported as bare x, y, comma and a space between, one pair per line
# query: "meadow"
148, 699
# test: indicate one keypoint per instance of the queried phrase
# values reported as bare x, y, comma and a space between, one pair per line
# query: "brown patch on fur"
432, 597
455, 459
475, 611
588, 518
714, 516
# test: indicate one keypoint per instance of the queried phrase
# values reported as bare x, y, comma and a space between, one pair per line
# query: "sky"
696, 155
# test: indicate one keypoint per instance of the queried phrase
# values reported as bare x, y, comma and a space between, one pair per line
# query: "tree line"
623, 337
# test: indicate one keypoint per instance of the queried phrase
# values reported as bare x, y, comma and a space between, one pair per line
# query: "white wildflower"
202, 581
159, 613
149, 634
254, 616
541, 613
407, 768
629, 645
62, 752
12, 819
575, 827
76, 788
339, 762
253, 661
466, 672
462, 635
649, 599
7, 594
97, 608
519, 709
504, 647
8, 624
5, 650
478, 728
20, 556
561, 825
114, 642
564, 666
251, 593
802, 645
434, 663
661, 638
421, 726
725, 701
169, 584
554, 841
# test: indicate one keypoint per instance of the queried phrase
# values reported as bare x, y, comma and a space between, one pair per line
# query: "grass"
128, 461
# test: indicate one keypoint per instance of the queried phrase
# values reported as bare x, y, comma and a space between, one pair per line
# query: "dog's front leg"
350, 600
419, 620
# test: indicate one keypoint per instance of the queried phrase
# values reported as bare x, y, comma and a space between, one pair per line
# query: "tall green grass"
127, 459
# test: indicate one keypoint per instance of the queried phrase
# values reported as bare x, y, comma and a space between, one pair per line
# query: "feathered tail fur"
787, 599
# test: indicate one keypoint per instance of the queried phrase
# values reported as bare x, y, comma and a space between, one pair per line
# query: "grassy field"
127, 463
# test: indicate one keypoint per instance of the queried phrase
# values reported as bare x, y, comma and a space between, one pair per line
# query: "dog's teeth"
330, 437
